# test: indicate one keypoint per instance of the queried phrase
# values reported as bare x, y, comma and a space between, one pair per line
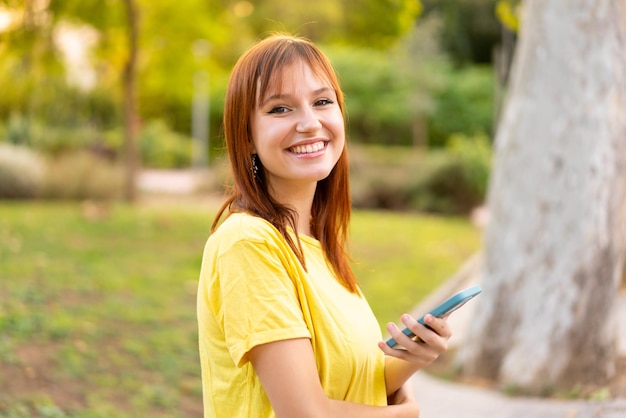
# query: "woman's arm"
401, 363
288, 373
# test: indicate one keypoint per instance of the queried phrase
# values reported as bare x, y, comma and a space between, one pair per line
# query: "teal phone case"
446, 308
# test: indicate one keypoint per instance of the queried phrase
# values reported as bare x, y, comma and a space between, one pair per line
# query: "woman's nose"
308, 121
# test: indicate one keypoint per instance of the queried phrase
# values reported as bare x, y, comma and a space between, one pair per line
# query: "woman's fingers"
429, 341
439, 325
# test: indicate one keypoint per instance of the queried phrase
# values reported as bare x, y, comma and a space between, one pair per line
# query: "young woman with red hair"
284, 330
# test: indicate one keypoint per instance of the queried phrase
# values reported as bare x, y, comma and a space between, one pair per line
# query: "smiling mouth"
309, 148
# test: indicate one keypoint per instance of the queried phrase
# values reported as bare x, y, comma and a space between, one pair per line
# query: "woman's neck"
301, 201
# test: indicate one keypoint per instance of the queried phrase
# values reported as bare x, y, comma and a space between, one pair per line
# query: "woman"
284, 329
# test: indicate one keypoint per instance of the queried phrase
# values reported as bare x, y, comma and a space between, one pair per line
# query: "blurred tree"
131, 116
35, 43
27, 61
121, 18
31, 48
554, 246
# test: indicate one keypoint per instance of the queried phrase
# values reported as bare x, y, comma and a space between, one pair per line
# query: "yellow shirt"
252, 291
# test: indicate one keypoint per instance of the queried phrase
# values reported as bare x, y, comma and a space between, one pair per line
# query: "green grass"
97, 314
401, 258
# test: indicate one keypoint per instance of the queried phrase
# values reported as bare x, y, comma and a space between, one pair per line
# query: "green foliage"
384, 102
452, 181
175, 41
356, 22
379, 23
382, 177
21, 172
388, 103
178, 40
442, 186
161, 147
374, 98
122, 287
51, 139
464, 105
470, 28
18, 130
35, 85
474, 155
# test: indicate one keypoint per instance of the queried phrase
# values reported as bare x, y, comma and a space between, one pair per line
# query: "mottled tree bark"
554, 246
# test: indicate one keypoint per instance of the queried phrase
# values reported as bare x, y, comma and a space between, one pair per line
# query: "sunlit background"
112, 164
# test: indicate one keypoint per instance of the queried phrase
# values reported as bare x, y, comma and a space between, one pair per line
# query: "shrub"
443, 187
383, 177
17, 130
448, 181
474, 154
161, 147
21, 172
82, 175
465, 106
50, 139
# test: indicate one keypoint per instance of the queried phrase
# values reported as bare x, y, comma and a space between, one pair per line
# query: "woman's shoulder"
244, 226
242, 233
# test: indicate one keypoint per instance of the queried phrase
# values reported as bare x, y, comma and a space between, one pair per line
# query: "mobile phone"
446, 308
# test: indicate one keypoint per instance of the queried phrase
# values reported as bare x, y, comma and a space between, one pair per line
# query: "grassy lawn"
97, 313
401, 258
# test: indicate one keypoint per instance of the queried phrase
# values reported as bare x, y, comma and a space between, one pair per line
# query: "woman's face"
297, 132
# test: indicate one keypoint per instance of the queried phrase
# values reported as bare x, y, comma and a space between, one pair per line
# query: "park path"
440, 399
172, 182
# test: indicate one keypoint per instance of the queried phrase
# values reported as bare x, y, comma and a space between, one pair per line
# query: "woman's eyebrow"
288, 96
274, 97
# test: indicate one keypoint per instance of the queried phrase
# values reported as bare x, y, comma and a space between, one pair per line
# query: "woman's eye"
278, 109
324, 102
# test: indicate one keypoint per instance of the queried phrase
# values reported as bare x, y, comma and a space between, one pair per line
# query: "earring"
255, 165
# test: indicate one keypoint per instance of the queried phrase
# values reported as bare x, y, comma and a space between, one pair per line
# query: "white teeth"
307, 149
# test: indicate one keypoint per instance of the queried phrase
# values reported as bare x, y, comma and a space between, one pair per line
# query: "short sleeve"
260, 302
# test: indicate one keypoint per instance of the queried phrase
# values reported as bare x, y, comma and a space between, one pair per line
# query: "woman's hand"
414, 353
425, 347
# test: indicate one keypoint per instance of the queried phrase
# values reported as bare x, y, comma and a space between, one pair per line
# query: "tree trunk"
554, 249
131, 117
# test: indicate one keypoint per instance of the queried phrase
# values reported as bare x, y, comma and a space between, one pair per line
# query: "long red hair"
253, 74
